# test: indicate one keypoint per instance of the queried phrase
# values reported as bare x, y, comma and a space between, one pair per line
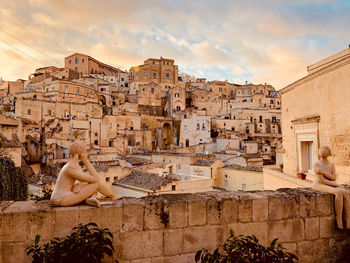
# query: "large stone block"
197, 213
313, 251
14, 227
89, 214
40, 223
132, 217
65, 218
327, 225
15, 252
142, 260
145, 244
324, 205
312, 228
289, 230
229, 212
183, 258
258, 229
245, 210
111, 218
178, 214
198, 237
214, 210
173, 241
307, 204
260, 209
154, 215
283, 208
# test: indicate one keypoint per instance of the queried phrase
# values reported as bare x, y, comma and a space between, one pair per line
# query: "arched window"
178, 108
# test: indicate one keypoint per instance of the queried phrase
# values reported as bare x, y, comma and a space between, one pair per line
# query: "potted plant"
302, 176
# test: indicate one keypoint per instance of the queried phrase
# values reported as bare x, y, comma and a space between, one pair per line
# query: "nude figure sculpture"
325, 182
68, 191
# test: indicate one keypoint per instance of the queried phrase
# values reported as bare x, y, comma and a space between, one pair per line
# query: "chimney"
246, 82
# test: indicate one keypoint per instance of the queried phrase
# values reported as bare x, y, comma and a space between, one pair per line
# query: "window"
203, 126
177, 95
154, 75
110, 143
220, 89
260, 118
115, 178
82, 61
77, 91
244, 187
152, 90
224, 123
76, 69
167, 86
107, 179
185, 116
198, 126
274, 120
145, 73
122, 79
96, 142
92, 108
76, 60
96, 134
178, 108
173, 187
70, 61
167, 75
271, 101
29, 112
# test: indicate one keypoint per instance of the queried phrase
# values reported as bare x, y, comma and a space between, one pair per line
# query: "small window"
173, 188
152, 90
96, 142
122, 79
167, 75
244, 187
178, 108
92, 108
96, 134
167, 86
177, 95
29, 112
220, 89
185, 116
203, 126
70, 61
274, 120
115, 178
107, 179
260, 118
76, 69
198, 126
145, 73
154, 75
77, 91
110, 143
82, 61
76, 60
271, 101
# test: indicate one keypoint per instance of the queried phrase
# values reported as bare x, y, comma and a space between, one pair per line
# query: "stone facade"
315, 113
172, 228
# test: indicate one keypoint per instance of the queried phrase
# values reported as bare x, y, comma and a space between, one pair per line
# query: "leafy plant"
46, 195
87, 243
13, 182
246, 249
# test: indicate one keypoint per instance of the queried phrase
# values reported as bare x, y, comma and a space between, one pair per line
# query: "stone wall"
171, 228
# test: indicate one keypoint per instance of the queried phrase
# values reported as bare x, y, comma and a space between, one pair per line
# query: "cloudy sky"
255, 40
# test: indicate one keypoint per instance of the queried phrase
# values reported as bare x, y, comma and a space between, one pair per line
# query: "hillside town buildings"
168, 121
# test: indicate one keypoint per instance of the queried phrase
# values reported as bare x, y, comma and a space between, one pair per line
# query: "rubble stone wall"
171, 228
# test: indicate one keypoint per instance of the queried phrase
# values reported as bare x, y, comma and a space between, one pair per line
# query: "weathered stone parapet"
171, 228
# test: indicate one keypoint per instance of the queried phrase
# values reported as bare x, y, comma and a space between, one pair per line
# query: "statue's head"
77, 147
325, 151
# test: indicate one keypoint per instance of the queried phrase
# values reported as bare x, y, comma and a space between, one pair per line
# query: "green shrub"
87, 243
13, 182
246, 249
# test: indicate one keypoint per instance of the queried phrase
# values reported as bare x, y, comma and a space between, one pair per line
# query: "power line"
33, 48
23, 53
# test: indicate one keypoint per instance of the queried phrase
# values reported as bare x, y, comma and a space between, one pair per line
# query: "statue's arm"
91, 170
78, 174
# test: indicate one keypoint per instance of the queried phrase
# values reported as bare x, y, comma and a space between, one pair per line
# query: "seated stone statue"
325, 182
68, 191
